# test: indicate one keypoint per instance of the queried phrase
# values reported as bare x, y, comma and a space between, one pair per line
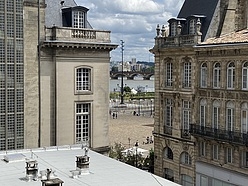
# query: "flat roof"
102, 169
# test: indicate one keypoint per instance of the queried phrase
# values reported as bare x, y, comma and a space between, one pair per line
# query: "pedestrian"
113, 115
134, 113
116, 115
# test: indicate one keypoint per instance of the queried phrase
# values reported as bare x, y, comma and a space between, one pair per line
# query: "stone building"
54, 71
201, 105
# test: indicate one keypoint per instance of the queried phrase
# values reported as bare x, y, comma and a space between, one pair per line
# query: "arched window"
168, 71
244, 117
216, 75
173, 29
187, 74
83, 79
204, 75
216, 116
168, 153
230, 116
186, 180
230, 75
192, 27
203, 104
169, 174
186, 158
245, 76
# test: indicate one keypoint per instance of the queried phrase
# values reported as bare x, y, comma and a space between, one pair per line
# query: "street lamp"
122, 51
136, 148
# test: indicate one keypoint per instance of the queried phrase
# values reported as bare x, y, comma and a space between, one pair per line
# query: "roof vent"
48, 178
83, 162
14, 158
32, 170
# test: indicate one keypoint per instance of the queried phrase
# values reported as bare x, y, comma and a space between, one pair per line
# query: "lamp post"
151, 107
122, 51
136, 149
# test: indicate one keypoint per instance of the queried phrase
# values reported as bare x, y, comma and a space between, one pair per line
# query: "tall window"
173, 29
230, 75
215, 151
186, 180
202, 148
229, 155
186, 158
192, 28
168, 113
83, 123
230, 116
83, 79
169, 71
169, 174
204, 75
168, 153
244, 118
244, 158
187, 75
186, 115
203, 104
216, 116
216, 75
79, 19
245, 76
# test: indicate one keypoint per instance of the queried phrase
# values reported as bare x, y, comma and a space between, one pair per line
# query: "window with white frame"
186, 180
169, 70
244, 158
230, 116
78, 19
244, 117
187, 75
230, 75
169, 174
186, 158
168, 112
203, 104
216, 75
173, 29
186, 115
229, 155
168, 154
192, 26
245, 76
83, 79
204, 75
202, 148
83, 122
215, 151
216, 116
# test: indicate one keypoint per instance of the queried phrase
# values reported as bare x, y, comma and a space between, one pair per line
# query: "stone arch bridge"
131, 74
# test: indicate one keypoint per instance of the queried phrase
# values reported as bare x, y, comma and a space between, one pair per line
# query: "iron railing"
219, 134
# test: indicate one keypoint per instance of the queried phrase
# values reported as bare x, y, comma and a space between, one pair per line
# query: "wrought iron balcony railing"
219, 134
185, 133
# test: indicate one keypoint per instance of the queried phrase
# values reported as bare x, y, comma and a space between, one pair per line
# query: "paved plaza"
127, 129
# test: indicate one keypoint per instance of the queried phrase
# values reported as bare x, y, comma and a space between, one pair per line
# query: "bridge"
131, 74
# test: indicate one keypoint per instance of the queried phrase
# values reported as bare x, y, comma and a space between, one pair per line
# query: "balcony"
65, 34
185, 134
219, 134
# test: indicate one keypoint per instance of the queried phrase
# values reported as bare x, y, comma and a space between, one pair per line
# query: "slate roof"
199, 7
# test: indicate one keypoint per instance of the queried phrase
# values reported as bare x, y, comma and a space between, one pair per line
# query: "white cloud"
133, 21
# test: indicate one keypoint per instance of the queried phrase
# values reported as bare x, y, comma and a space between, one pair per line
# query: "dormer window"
75, 17
192, 26
173, 29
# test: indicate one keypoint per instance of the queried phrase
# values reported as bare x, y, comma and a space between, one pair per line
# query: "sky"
133, 21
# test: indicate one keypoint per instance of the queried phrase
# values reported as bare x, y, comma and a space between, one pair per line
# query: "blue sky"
133, 21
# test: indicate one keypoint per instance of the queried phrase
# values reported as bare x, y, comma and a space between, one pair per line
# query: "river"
148, 85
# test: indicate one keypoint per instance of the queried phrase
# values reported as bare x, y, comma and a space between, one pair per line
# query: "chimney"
32, 170
83, 162
50, 179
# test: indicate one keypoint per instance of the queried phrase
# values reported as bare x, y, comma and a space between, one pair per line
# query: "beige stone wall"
31, 100
66, 60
